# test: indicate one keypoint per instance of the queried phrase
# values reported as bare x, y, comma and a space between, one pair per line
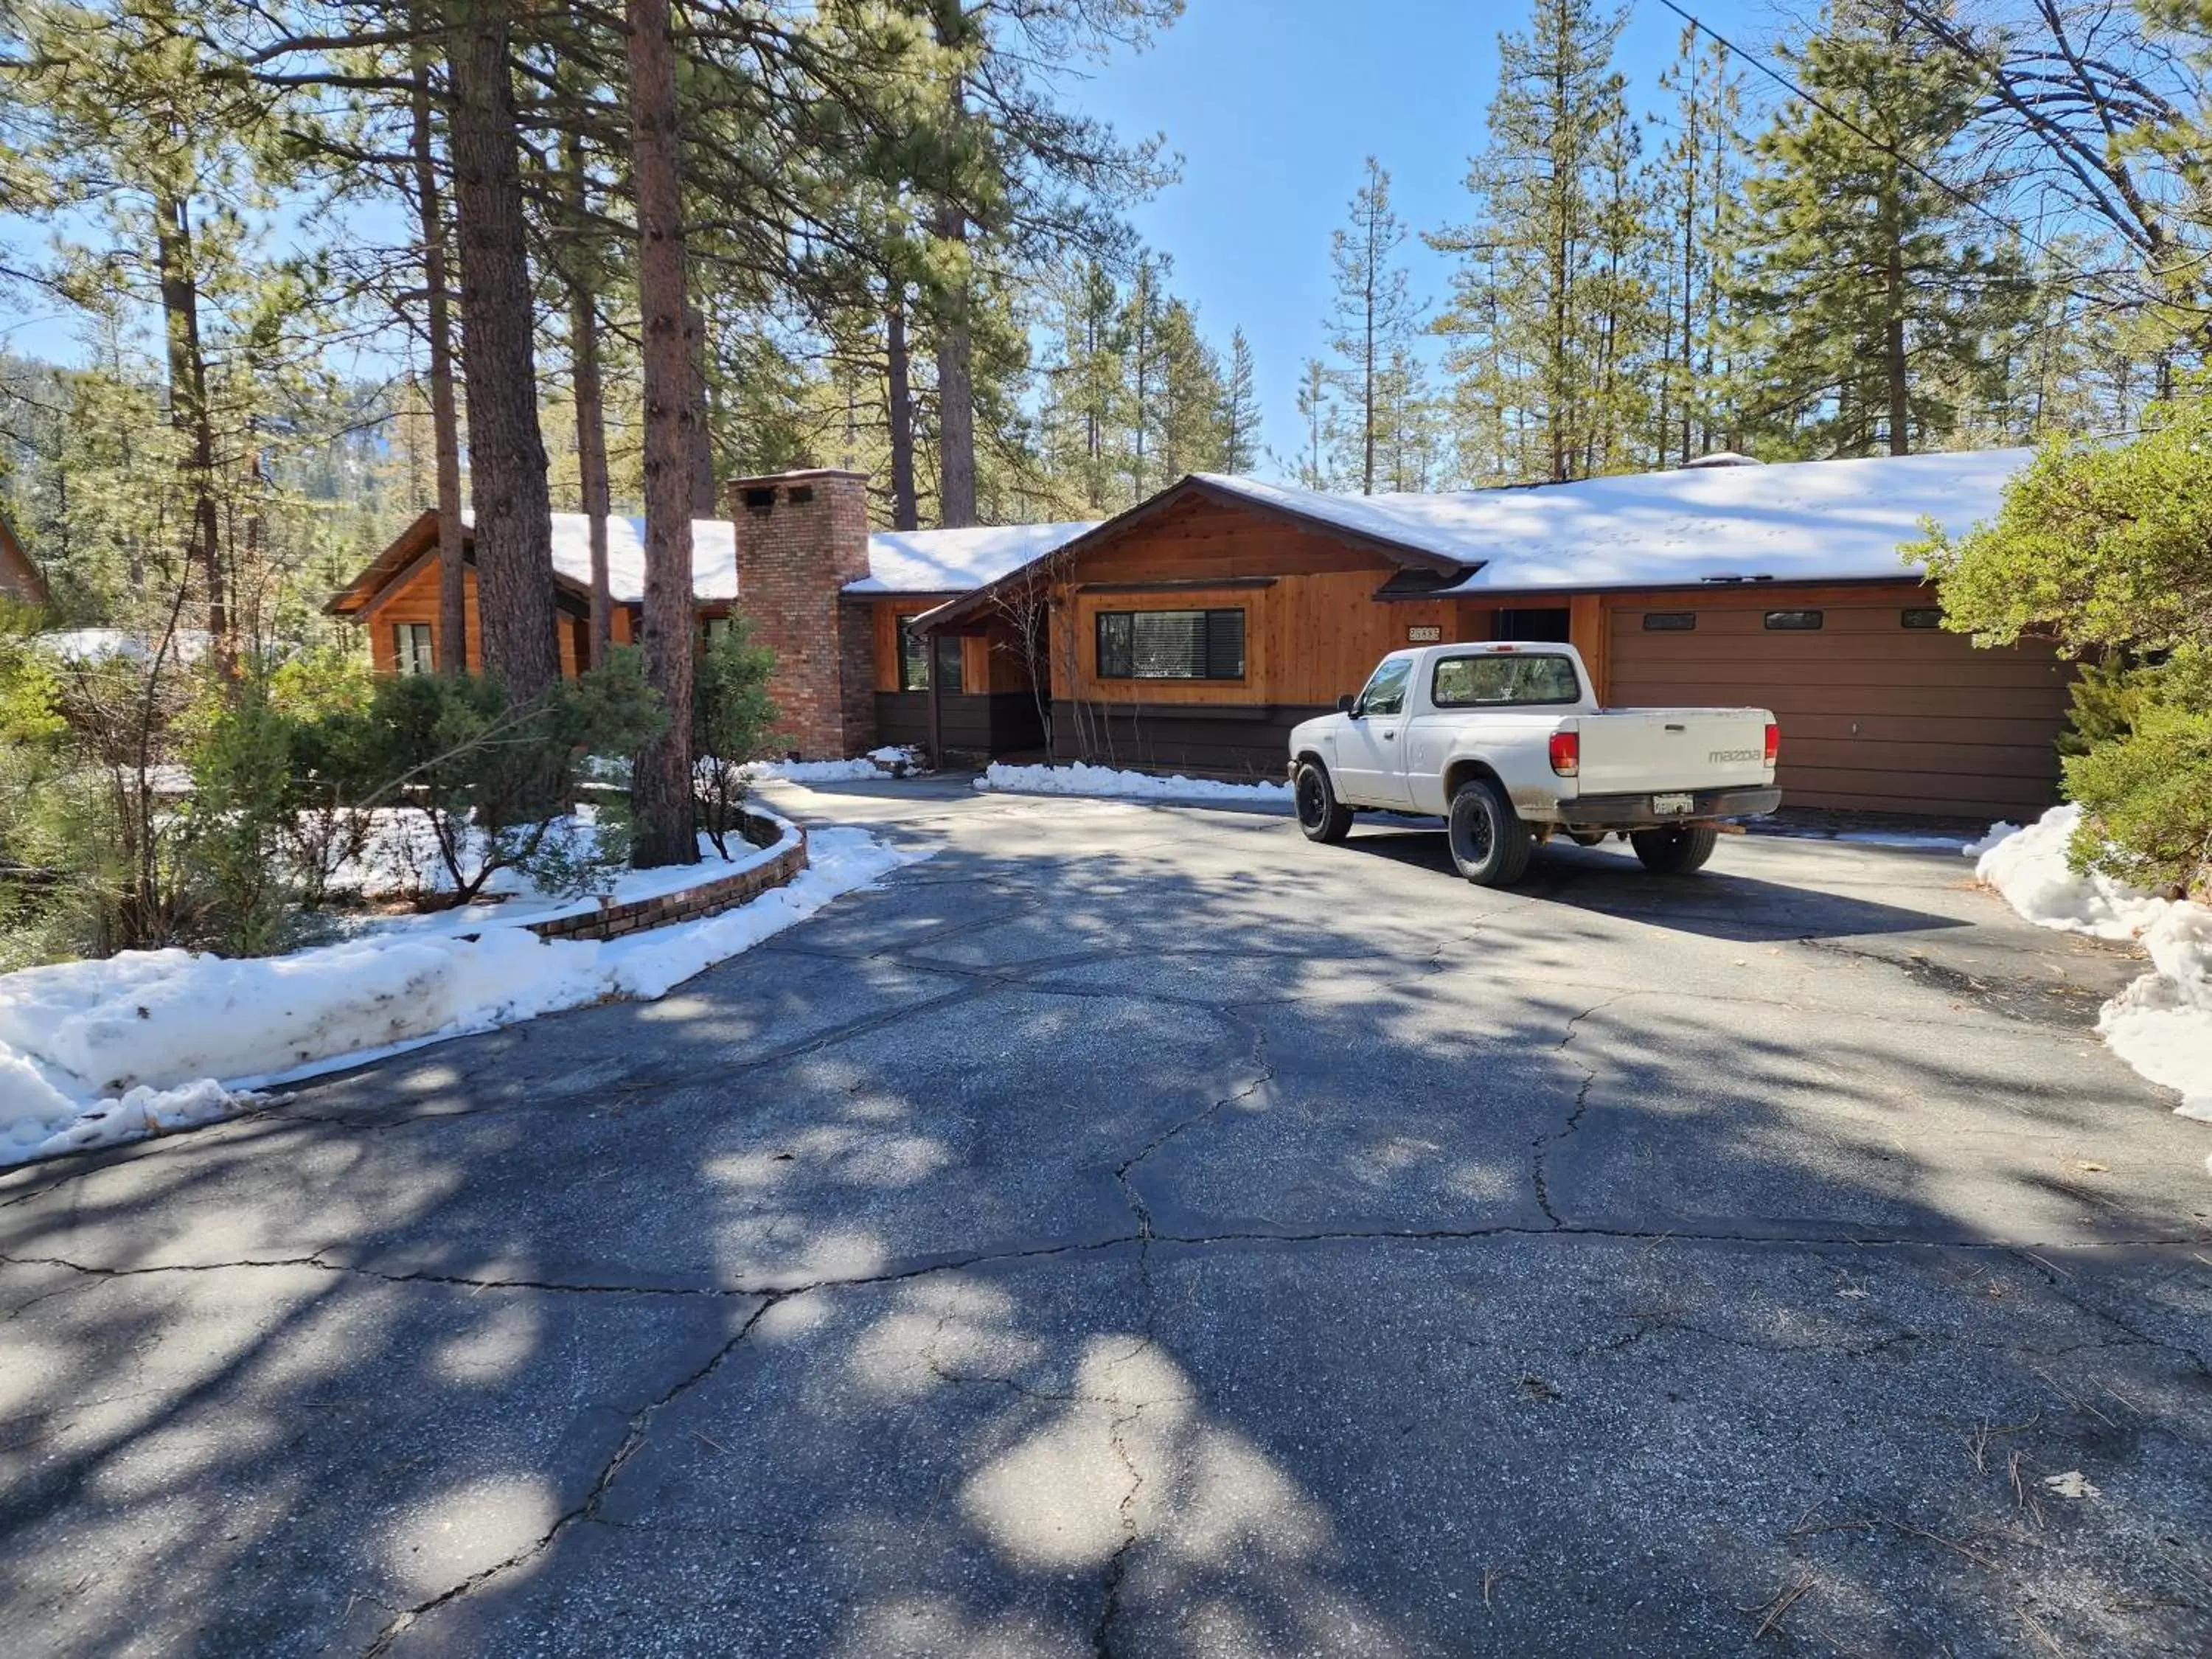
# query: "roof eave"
1399, 552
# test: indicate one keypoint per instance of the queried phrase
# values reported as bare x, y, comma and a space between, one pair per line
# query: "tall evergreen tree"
1189, 430
1374, 314
1872, 291
1240, 409
1523, 306
1698, 186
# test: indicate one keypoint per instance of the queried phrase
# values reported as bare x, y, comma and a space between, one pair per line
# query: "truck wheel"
1489, 843
1320, 815
1675, 852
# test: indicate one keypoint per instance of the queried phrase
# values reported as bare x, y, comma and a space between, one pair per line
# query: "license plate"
1667, 806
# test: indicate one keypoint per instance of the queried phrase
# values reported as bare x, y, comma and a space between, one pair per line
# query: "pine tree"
1374, 314
1522, 308
1240, 410
1698, 183
1317, 442
1870, 292
1189, 436
1142, 316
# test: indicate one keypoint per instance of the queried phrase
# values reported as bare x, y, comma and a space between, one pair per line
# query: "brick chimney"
801, 536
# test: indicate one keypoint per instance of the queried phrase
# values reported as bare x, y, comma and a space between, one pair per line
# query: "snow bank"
2028, 866
2162, 1025
94, 1053
875, 764
1082, 779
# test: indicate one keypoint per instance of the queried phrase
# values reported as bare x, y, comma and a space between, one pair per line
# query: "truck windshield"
1492, 679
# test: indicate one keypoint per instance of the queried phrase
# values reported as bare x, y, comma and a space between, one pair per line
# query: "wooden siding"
20, 580
414, 598
1875, 716
994, 723
991, 662
1309, 638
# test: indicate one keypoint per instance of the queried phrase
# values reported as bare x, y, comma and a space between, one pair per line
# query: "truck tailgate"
1640, 750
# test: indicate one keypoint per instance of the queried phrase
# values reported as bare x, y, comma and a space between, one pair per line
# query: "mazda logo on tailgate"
1725, 757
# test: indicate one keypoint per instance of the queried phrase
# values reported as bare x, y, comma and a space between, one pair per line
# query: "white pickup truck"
1505, 742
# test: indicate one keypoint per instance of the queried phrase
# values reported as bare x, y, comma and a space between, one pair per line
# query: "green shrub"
2147, 795
732, 714
491, 782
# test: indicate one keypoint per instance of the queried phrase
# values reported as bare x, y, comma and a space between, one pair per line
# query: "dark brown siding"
1251, 742
1875, 716
994, 723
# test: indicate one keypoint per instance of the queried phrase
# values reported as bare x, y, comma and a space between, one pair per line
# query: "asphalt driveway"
1135, 1231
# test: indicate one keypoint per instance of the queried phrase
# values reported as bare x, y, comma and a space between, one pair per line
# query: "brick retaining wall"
708, 898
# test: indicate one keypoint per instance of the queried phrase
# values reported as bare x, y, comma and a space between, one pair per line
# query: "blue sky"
1274, 105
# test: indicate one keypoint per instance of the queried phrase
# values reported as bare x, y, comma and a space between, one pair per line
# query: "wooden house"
1195, 631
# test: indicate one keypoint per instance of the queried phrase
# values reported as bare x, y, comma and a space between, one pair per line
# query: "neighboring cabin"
1194, 629
20, 580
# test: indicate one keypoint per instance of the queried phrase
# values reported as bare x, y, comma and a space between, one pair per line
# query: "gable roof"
899, 561
20, 579
1798, 520
1788, 521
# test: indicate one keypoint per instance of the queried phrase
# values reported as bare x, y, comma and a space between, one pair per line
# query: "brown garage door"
1875, 715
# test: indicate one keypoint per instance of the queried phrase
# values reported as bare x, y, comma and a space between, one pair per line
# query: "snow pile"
94, 1053
1998, 831
2028, 866
892, 760
2162, 1025
1083, 779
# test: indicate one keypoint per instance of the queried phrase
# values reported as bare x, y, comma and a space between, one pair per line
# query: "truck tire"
1489, 843
1321, 816
1675, 852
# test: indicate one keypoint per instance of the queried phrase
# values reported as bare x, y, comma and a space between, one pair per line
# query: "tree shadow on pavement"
1136, 1232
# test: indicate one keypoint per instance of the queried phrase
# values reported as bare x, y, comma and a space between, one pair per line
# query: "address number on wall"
1424, 633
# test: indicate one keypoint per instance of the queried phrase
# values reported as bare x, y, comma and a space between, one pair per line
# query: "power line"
1890, 150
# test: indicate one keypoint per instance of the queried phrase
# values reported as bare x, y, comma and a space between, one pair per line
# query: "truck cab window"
1386, 687
1476, 682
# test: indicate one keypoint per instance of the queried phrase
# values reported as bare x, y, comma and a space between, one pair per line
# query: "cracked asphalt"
1132, 1231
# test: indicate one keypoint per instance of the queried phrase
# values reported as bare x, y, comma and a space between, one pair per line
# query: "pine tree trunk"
1894, 363
445, 418
660, 788
506, 451
585, 382
188, 409
956, 400
906, 511
703, 428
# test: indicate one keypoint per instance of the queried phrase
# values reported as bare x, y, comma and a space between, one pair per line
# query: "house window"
1670, 621
713, 630
1797, 622
1920, 616
411, 647
1171, 645
915, 655
1492, 680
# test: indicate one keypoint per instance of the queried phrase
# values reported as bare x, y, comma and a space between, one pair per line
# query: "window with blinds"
1171, 645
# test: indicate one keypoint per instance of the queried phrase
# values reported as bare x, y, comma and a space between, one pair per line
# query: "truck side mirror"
1347, 704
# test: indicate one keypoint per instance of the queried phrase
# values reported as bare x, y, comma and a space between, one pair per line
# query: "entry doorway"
1547, 624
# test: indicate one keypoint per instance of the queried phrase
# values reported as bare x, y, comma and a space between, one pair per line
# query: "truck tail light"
1566, 753
1773, 742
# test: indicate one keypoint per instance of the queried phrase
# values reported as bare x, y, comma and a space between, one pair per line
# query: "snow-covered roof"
1801, 520
713, 555
954, 560
899, 561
